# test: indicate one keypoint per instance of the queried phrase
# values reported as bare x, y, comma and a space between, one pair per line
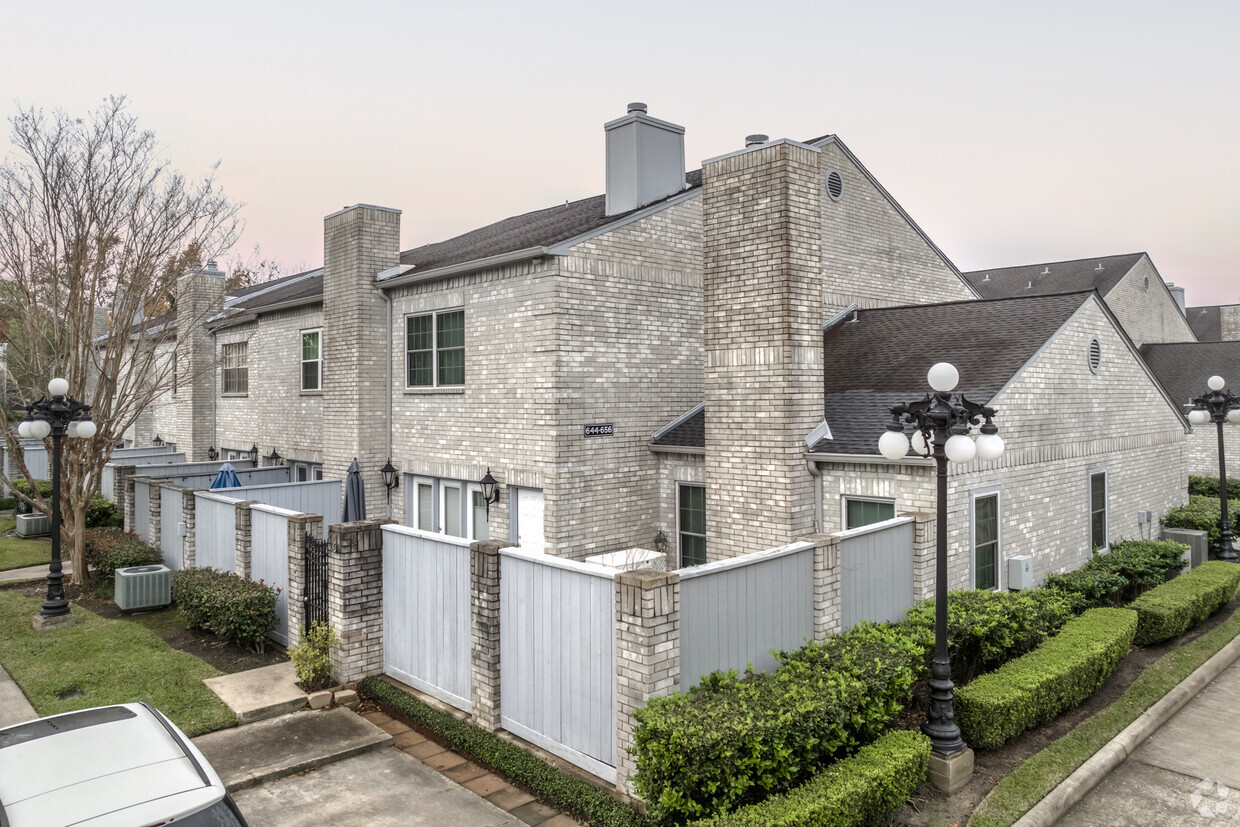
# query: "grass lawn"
110, 661
1031, 781
17, 554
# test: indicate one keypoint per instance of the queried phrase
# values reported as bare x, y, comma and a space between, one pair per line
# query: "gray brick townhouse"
703, 358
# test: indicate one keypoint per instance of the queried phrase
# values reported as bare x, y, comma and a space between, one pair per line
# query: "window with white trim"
435, 349
236, 369
444, 506
311, 361
987, 545
860, 512
691, 524
306, 471
479, 529
1098, 510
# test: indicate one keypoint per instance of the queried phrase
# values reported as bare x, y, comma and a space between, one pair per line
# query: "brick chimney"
200, 295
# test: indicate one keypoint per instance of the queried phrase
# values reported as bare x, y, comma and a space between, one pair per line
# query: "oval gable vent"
835, 185
1095, 354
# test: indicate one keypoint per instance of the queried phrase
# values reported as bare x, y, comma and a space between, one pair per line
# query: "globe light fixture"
943, 377
893, 444
1218, 406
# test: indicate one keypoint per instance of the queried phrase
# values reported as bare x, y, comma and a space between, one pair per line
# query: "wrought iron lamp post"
58, 416
941, 430
1218, 406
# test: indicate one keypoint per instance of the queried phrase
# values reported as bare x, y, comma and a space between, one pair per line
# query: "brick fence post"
243, 532
355, 598
827, 609
189, 543
924, 535
484, 569
155, 502
130, 520
647, 653
300, 526
122, 492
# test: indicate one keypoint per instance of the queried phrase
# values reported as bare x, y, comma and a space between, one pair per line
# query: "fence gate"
315, 567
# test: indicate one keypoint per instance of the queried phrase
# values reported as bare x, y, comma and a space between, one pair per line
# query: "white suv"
114, 766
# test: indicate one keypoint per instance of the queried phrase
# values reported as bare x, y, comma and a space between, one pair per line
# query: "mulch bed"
930, 806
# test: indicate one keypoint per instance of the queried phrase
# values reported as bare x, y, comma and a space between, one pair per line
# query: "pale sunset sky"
1014, 133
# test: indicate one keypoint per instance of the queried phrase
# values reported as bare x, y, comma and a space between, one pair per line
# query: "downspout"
387, 298
815, 471
215, 380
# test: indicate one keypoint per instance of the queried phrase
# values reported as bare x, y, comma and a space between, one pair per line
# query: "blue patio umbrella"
226, 478
354, 495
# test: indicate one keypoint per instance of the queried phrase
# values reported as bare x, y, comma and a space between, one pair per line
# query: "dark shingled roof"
1183, 368
1064, 277
1206, 322
881, 359
691, 433
309, 288
263, 285
541, 228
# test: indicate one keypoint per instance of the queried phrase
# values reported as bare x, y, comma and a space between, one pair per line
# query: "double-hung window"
1098, 510
691, 524
986, 546
311, 361
435, 349
236, 371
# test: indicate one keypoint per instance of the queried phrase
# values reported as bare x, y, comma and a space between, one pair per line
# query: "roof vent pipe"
755, 140
637, 106
1030, 285
1046, 271
987, 277
1099, 267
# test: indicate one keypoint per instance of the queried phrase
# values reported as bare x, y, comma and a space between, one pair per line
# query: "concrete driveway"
380, 787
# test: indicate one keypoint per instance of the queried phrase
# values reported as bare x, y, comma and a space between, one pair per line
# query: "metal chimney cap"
754, 140
637, 106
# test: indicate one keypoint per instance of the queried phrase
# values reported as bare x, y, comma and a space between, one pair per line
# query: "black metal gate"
315, 560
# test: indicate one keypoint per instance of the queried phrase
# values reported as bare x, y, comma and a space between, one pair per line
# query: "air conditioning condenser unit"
143, 587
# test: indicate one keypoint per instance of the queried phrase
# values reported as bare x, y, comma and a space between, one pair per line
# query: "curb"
1073, 788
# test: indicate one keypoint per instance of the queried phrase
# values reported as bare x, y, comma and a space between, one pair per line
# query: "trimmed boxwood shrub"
864, 789
1117, 577
583, 800
1092, 587
237, 610
1208, 487
1055, 677
732, 741
1175, 607
1201, 513
109, 549
986, 629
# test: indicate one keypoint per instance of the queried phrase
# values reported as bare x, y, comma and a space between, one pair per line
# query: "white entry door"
529, 518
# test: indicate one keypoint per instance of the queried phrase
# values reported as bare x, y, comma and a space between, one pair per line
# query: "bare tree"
251, 270
95, 230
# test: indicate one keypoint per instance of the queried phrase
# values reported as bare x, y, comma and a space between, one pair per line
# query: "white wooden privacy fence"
318, 497
876, 571
426, 613
215, 540
269, 558
558, 657
170, 527
733, 612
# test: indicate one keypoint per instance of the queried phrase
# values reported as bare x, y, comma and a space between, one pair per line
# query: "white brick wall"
1147, 315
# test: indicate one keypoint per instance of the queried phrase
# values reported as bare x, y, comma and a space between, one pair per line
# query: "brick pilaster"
156, 504
243, 532
647, 653
355, 598
484, 569
189, 516
126, 480
300, 526
120, 486
827, 616
924, 536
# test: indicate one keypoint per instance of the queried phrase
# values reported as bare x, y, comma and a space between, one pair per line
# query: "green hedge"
862, 790
1208, 487
733, 741
1201, 513
1117, 577
238, 610
1055, 677
109, 549
581, 799
986, 629
1175, 607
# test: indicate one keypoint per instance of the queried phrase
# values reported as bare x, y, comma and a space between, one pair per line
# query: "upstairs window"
435, 349
236, 371
692, 525
311, 361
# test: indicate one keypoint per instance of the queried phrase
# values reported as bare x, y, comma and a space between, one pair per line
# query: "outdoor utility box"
143, 587
1198, 543
631, 559
1020, 573
33, 525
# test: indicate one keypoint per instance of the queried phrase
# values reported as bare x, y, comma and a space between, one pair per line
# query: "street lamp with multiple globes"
58, 416
1219, 405
941, 430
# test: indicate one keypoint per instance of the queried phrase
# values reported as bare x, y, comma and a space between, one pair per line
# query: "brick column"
827, 617
355, 598
484, 568
122, 491
189, 543
242, 552
156, 504
127, 481
647, 653
300, 526
924, 534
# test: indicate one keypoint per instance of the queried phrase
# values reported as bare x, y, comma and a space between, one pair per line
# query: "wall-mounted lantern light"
159, 443
391, 477
274, 458
213, 454
254, 455
490, 490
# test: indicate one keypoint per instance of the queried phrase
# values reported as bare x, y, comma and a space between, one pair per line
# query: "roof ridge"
1049, 263
980, 301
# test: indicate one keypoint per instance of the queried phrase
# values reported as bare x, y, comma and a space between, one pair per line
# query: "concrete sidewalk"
32, 572
14, 708
1186, 773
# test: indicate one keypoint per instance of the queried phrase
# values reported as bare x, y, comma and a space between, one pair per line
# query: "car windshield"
219, 814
